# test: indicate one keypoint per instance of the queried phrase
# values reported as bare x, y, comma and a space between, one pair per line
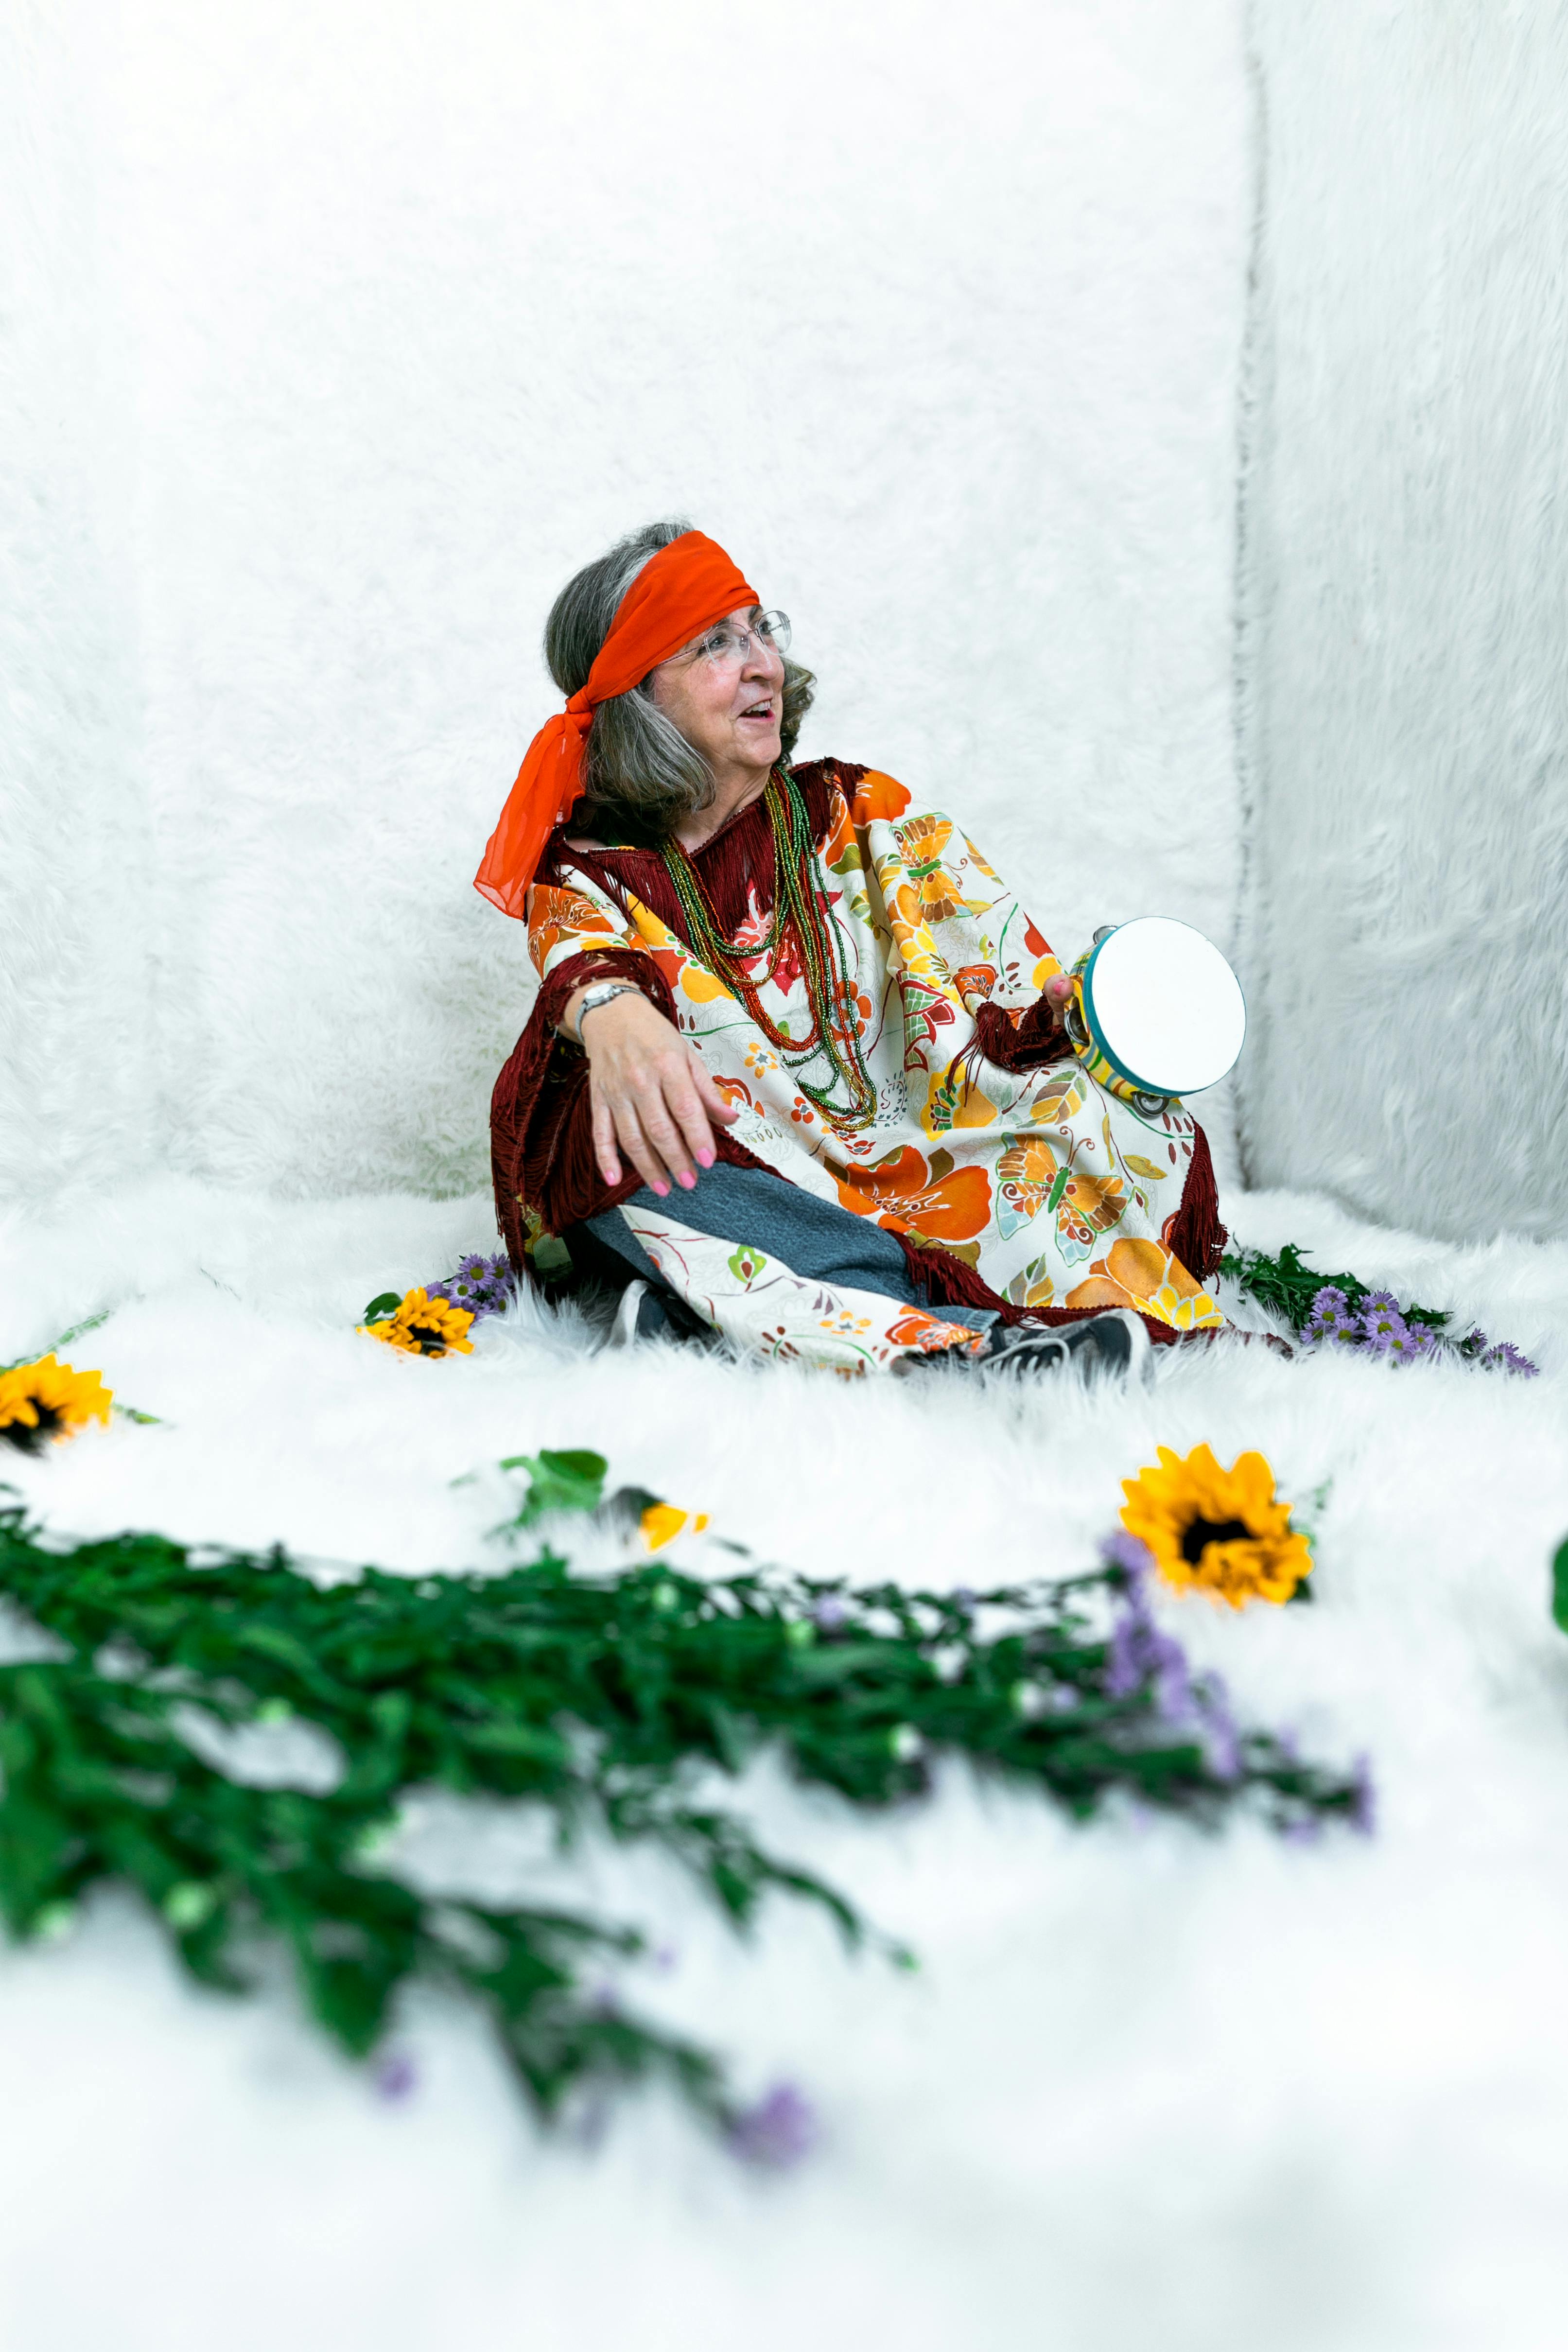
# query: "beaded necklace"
834, 1031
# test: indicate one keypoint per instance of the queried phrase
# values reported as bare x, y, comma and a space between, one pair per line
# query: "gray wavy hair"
640, 774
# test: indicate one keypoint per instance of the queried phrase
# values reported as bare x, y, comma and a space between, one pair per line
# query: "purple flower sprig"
778, 2131
1378, 1326
484, 1286
1510, 1358
1141, 1660
1140, 1656
1332, 1316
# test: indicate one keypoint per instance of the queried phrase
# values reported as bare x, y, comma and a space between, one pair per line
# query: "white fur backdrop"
1405, 613
333, 340
935, 324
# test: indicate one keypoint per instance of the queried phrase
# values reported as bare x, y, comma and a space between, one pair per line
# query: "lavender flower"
1221, 1740
396, 2076
829, 1612
1331, 1311
1381, 1321
778, 2131
484, 1286
1140, 1658
1363, 1799
491, 1279
1129, 1553
1512, 1359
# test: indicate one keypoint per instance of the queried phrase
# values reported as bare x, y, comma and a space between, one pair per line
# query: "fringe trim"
1039, 1039
736, 862
1195, 1233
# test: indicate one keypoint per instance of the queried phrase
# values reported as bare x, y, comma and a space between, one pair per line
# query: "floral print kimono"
991, 1178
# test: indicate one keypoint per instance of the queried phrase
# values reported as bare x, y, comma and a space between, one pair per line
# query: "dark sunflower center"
28, 1440
1197, 1537
427, 1339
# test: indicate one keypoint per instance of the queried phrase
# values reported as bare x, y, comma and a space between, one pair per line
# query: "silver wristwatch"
601, 993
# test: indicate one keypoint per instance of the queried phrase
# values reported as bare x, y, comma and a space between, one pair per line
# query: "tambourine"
1155, 1013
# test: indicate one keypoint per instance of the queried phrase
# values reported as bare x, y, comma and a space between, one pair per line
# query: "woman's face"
727, 703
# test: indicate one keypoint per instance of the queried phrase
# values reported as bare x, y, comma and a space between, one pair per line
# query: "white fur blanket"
1148, 2083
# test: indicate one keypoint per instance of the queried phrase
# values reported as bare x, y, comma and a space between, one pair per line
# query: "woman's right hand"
653, 1097
1057, 994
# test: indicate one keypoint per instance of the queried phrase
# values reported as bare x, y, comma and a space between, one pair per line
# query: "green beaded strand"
823, 958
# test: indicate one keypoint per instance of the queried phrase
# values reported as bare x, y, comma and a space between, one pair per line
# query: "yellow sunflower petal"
1169, 1508
54, 1396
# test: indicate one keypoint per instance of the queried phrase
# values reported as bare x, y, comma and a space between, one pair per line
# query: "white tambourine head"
1167, 1005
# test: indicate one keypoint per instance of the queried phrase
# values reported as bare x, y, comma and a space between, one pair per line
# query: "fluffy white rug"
1147, 2084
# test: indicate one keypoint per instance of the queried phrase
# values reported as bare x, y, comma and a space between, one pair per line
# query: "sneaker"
1113, 1344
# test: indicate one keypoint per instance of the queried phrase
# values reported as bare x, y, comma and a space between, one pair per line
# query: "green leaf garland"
618, 1701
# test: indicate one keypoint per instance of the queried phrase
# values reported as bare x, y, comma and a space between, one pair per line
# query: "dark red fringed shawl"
541, 1140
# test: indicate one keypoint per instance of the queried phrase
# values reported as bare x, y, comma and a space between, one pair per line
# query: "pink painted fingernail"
661, 1190
687, 1181
706, 1158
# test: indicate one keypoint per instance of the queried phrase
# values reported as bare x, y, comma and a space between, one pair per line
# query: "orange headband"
678, 592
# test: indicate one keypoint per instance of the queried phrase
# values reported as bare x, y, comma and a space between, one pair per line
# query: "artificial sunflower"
1223, 1530
662, 1522
46, 1400
424, 1326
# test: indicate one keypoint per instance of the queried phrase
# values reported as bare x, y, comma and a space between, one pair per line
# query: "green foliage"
1560, 1584
56, 1348
386, 1302
618, 1701
558, 1482
89, 1323
1289, 1286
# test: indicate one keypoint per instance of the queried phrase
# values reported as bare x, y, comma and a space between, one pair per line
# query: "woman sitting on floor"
797, 1063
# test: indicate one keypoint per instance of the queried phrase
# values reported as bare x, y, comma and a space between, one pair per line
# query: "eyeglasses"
727, 647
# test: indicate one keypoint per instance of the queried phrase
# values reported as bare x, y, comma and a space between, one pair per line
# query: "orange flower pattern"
921, 843
932, 1196
555, 916
1042, 1181
1143, 1274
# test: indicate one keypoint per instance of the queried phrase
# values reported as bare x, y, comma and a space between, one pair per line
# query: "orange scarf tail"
678, 592
547, 783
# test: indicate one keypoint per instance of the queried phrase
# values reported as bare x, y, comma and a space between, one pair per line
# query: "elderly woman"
797, 1072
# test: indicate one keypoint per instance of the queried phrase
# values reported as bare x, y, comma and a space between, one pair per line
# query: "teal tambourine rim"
1097, 1035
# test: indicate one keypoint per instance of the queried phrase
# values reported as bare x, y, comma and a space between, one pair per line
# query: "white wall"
1406, 610
75, 1064
932, 315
